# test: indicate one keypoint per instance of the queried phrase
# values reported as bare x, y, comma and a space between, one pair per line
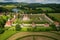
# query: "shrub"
39, 29
1, 30
18, 28
53, 27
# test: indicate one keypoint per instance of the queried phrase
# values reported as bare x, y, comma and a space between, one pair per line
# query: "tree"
3, 20
1, 30
18, 28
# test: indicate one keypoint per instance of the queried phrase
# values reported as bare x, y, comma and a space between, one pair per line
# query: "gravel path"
21, 34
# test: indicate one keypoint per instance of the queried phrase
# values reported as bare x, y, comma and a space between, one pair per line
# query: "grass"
24, 29
46, 8
55, 15
7, 34
37, 29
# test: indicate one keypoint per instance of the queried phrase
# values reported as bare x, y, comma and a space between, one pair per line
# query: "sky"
32, 1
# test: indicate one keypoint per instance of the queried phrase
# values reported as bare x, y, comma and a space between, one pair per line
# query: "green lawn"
7, 34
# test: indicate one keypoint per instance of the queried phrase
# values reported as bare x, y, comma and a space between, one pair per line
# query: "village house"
46, 25
57, 24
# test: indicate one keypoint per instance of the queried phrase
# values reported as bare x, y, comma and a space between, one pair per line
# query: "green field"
55, 15
45, 8
7, 34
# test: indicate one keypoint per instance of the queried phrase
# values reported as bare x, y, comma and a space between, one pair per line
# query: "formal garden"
16, 23
29, 22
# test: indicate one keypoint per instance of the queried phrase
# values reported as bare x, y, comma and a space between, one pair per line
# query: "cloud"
40, 0
20, 0
1, 0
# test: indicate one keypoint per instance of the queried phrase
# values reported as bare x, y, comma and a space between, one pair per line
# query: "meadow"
55, 15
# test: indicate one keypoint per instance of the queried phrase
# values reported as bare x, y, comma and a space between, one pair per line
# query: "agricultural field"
55, 15
45, 8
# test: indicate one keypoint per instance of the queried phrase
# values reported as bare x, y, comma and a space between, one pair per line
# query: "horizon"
33, 1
